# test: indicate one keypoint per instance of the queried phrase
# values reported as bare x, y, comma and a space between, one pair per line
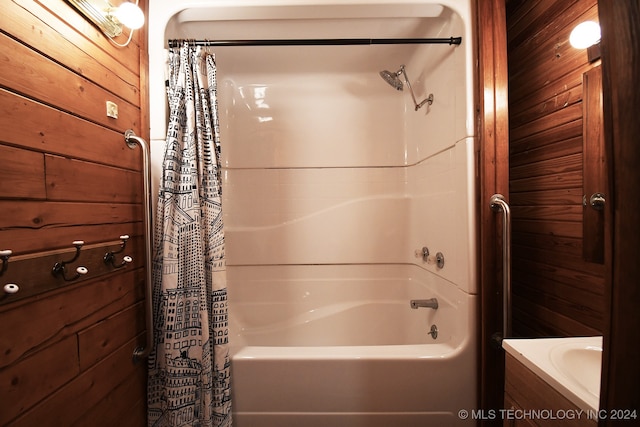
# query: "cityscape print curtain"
189, 376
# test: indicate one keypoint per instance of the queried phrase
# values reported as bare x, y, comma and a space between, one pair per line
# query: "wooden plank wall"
493, 161
555, 292
620, 23
66, 353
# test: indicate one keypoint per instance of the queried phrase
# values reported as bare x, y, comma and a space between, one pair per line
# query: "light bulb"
585, 34
130, 15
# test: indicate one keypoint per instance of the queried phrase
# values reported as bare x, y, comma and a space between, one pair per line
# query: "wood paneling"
22, 174
32, 125
34, 271
493, 154
595, 179
101, 339
117, 402
556, 292
35, 374
68, 175
35, 76
84, 392
529, 393
620, 22
37, 323
75, 180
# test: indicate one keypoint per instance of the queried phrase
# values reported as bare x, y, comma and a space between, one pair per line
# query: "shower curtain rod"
314, 42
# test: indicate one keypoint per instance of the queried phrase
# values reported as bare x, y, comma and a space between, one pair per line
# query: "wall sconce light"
110, 19
586, 35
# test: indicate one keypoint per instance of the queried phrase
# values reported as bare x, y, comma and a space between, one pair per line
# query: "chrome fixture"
499, 204
433, 332
425, 254
438, 259
132, 140
110, 19
426, 303
393, 79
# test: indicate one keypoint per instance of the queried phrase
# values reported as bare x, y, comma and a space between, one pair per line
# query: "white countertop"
543, 356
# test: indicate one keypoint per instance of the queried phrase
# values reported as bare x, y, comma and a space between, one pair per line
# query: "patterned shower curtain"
189, 375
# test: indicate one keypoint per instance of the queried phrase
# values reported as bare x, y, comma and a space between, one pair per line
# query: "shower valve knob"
440, 260
423, 253
437, 259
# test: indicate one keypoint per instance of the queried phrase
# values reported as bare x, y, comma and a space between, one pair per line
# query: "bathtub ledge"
420, 351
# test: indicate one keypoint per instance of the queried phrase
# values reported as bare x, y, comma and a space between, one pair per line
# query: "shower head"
393, 78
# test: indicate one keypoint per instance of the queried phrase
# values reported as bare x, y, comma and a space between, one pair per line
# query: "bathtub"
341, 346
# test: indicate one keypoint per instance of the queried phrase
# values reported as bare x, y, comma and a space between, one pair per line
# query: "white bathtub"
345, 348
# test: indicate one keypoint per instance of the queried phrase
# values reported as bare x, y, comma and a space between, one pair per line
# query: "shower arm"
427, 100
132, 140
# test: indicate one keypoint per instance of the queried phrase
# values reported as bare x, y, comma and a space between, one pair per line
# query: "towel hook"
4, 256
109, 257
60, 267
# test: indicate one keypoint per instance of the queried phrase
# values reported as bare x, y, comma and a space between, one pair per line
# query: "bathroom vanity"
552, 381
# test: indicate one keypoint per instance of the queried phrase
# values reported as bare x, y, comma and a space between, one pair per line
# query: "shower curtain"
189, 375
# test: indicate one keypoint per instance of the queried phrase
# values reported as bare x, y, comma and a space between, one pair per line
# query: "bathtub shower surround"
333, 183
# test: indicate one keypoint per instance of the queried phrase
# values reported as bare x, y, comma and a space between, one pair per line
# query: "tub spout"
427, 303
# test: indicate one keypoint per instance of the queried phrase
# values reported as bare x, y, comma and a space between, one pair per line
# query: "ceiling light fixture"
110, 19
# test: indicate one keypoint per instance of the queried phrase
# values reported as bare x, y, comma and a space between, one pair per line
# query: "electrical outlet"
112, 110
